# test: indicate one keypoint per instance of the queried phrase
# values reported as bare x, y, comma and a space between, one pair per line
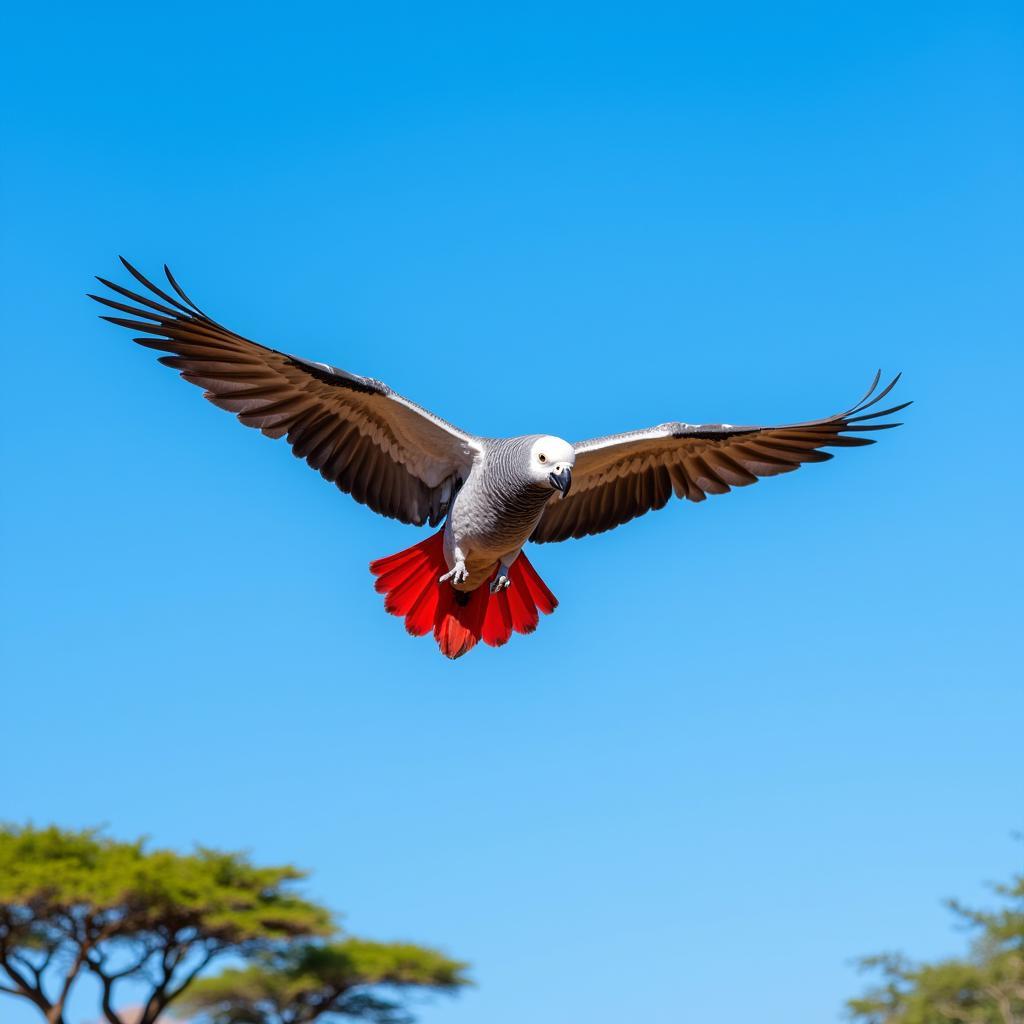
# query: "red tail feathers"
409, 582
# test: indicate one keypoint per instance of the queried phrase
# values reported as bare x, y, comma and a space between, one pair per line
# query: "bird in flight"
470, 580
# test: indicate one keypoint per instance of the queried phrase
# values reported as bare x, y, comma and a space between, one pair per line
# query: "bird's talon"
457, 575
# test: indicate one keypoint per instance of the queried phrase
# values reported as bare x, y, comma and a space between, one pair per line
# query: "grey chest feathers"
499, 505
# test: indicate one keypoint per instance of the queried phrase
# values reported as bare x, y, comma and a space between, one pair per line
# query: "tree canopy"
985, 986
310, 981
78, 902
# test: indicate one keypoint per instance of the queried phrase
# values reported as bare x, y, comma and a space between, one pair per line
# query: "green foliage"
984, 987
119, 888
77, 901
309, 981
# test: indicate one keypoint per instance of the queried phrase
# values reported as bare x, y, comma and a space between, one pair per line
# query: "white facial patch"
552, 451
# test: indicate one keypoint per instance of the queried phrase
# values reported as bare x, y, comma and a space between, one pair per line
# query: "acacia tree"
984, 987
309, 981
74, 903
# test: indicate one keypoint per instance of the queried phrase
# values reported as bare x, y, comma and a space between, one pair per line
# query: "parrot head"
551, 462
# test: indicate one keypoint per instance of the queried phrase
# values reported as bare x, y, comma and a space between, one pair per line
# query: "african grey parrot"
470, 580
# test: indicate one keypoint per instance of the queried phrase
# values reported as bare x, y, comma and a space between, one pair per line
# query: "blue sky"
760, 736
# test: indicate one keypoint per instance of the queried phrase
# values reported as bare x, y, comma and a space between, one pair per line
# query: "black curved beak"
561, 481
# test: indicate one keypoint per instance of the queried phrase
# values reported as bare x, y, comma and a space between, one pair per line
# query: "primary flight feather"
470, 581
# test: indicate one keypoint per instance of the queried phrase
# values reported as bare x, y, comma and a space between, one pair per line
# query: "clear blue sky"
760, 736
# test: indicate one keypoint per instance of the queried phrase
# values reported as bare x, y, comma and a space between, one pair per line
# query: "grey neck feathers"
520, 499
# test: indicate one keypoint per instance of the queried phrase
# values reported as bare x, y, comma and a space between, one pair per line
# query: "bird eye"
543, 458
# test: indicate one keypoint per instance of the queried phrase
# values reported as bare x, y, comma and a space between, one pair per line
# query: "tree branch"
107, 990
97, 967
34, 993
22, 961
1002, 1001
81, 957
191, 975
170, 956
47, 960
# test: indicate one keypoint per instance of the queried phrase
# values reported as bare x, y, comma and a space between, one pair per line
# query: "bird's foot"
501, 581
457, 575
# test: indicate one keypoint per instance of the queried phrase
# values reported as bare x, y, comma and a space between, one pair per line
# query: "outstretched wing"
620, 477
387, 452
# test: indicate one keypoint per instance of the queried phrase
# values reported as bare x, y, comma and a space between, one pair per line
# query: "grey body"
496, 510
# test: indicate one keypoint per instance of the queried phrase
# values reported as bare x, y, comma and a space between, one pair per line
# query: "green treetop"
986, 986
77, 902
309, 981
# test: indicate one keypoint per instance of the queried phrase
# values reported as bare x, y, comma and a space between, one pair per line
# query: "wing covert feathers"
623, 476
387, 452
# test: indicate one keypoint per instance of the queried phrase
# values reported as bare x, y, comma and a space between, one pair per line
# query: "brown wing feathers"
621, 477
404, 462
347, 427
